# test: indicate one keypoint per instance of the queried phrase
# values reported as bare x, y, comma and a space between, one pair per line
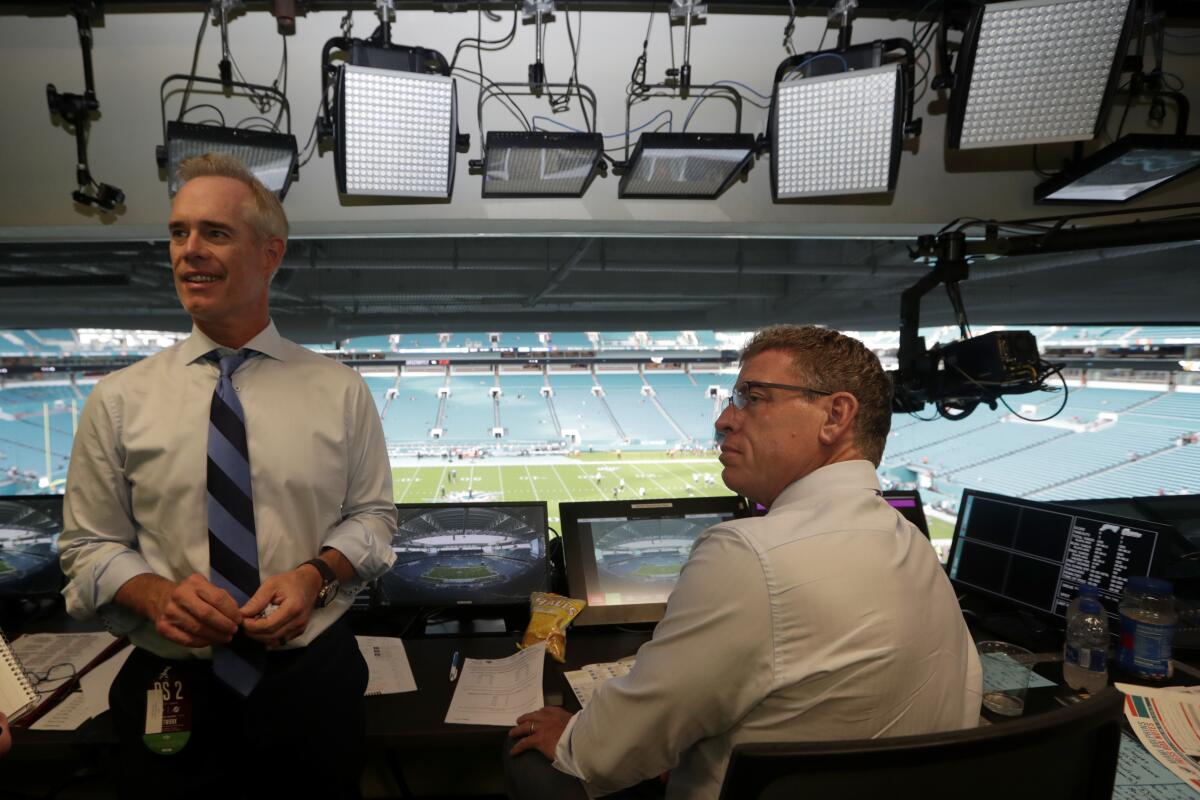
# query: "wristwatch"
329, 582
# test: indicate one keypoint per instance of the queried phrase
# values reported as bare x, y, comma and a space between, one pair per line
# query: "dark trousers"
531, 776
300, 733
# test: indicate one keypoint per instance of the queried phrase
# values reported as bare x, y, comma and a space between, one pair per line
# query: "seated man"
828, 618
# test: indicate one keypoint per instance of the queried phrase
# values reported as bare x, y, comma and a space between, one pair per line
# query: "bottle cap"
1147, 585
1090, 605
1086, 589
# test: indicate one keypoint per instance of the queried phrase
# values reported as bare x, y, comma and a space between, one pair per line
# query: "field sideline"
560, 483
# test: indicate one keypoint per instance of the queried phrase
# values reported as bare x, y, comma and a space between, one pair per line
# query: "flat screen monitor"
1035, 555
467, 554
1181, 511
29, 529
623, 556
908, 503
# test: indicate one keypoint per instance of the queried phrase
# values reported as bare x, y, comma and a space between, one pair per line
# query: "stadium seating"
368, 344
468, 416
579, 410
412, 413
570, 341
523, 411
684, 399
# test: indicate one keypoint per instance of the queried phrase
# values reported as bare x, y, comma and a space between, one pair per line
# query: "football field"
469, 481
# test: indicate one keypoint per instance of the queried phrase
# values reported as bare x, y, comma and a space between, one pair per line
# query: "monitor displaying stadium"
624, 557
1035, 555
467, 554
29, 529
908, 503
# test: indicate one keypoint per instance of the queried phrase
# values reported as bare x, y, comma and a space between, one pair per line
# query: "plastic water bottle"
1147, 619
1085, 655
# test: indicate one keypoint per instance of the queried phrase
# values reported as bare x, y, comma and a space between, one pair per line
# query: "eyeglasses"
740, 398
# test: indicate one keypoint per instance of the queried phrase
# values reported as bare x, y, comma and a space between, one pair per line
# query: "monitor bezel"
459, 603
914, 495
643, 508
1157, 559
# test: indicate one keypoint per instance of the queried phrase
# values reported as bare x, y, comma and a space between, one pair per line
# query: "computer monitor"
908, 503
1035, 555
473, 554
29, 529
623, 556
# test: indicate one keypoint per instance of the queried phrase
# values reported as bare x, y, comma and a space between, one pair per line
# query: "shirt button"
237, 388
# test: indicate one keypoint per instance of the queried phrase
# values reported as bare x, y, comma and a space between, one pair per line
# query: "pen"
454, 667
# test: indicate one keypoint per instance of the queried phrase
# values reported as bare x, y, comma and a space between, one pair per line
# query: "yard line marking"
532, 483
661, 488
562, 483
590, 482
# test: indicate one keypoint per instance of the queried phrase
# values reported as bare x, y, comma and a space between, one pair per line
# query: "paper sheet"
41, 651
1141, 777
387, 664
584, 682
90, 700
1162, 720
1002, 673
495, 691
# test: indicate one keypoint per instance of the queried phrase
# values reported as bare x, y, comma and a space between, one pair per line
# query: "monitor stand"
467, 627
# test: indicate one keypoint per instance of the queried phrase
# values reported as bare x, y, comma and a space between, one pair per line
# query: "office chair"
1066, 754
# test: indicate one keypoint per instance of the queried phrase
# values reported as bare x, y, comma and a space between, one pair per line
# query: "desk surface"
417, 718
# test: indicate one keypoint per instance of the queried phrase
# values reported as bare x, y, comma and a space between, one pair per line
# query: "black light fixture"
1031, 71
395, 129
839, 118
76, 111
699, 166
539, 163
1127, 168
271, 155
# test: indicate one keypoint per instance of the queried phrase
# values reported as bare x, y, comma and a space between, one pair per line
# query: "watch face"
327, 593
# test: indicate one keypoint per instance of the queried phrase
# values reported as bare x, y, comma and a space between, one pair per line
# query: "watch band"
329, 582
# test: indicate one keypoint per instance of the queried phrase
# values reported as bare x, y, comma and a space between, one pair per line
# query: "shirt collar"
268, 342
842, 476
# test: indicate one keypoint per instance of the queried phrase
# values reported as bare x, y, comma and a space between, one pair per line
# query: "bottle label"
1091, 659
1145, 648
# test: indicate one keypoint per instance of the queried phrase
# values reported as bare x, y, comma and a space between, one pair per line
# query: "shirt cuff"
369, 557
92, 597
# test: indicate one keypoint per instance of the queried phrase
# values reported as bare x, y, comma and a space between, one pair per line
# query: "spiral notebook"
17, 694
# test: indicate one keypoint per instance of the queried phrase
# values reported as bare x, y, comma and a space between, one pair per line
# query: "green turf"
4, 567
559, 483
940, 529
458, 573
650, 570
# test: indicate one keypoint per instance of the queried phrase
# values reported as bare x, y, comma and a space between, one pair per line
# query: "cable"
810, 59
1066, 392
486, 83
480, 42
670, 121
190, 109
707, 95
195, 60
575, 64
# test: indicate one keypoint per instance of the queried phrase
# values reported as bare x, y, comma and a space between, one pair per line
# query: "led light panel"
836, 134
396, 133
686, 165
1129, 167
540, 163
270, 156
1036, 71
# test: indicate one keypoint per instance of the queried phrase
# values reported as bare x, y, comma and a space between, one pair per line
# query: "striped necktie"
232, 544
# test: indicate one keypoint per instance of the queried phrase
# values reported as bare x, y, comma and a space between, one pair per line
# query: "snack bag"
549, 616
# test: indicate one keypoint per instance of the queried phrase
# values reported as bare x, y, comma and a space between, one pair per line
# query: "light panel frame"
961, 95
543, 142
349, 181
821, 83
1127, 147
694, 142
236, 142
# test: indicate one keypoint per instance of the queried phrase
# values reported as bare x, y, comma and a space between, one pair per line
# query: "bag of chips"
549, 616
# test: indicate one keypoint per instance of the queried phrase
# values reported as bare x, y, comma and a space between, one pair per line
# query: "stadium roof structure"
336, 288
362, 267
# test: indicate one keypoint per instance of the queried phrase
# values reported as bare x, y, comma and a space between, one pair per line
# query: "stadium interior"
542, 348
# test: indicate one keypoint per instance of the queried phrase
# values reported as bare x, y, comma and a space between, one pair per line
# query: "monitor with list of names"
1036, 555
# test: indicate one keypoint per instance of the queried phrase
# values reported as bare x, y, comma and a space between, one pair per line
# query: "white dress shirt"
829, 618
136, 498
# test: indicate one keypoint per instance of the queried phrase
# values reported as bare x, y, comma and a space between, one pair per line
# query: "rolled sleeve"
708, 664
98, 547
364, 536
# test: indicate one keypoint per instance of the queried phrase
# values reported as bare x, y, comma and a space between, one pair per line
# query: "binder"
17, 694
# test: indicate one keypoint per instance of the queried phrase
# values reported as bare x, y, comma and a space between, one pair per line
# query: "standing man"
828, 618
225, 500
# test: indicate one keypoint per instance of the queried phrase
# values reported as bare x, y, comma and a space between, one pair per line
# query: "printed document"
387, 665
584, 682
1165, 721
495, 691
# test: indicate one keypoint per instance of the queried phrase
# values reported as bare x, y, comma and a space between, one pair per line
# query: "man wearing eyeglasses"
829, 618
